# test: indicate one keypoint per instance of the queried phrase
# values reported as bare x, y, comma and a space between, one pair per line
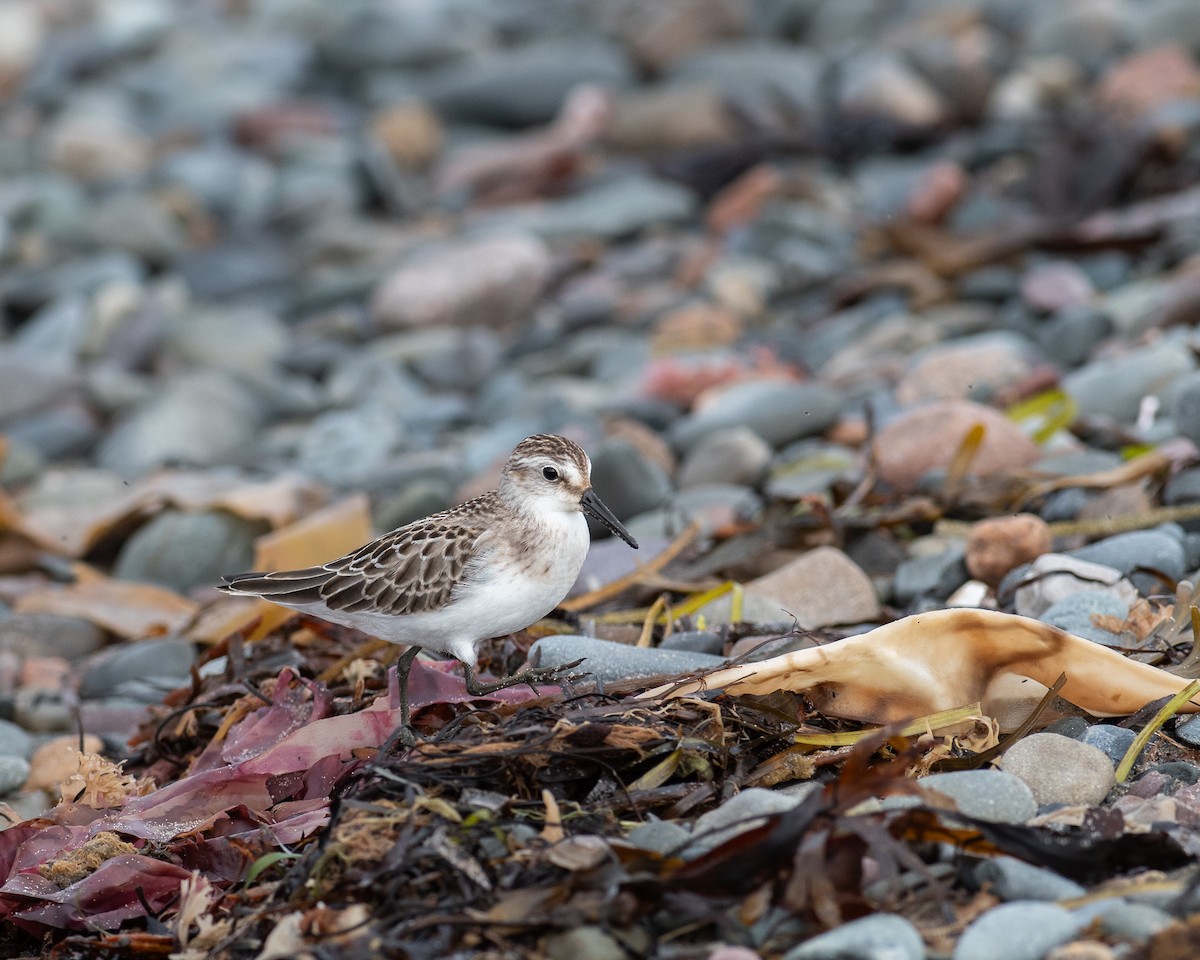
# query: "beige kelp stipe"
940, 660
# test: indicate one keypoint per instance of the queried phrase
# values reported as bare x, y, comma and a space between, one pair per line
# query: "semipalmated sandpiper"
483, 569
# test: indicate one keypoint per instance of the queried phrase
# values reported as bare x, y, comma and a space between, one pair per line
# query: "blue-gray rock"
239, 339
238, 268
608, 661
1053, 576
812, 467
985, 794
528, 84
132, 221
751, 73
694, 641
29, 383
1151, 550
346, 448
1183, 487
630, 483
1021, 930
778, 411
1071, 335
183, 550
1013, 879
44, 711
1185, 406
882, 936
735, 455
49, 635
741, 812
610, 210
1060, 770
932, 576
1180, 771
68, 429
1188, 730
202, 418
1114, 741
15, 741
138, 668
1074, 614
14, 771
1073, 727
659, 836
1114, 387
1132, 921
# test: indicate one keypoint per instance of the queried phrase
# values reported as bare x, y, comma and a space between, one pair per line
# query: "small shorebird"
483, 569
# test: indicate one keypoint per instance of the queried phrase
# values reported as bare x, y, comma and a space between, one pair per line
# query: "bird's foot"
535, 675
403, 736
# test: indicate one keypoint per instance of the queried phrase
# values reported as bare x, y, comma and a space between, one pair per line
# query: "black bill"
593, 506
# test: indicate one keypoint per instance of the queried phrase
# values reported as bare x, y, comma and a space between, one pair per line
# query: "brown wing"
411, 570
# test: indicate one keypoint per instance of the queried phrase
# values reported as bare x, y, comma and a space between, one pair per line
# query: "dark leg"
532, 676
403, 734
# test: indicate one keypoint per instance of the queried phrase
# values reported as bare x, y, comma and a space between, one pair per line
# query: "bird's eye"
549, 473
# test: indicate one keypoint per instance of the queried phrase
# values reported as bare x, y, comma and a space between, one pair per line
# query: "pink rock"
1147, 80
937, 192
928, 437
1055, 285
491, 282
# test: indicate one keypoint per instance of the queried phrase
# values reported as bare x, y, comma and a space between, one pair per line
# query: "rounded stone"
778, 411
183, 550
929, 437
734, 455
608, 661
992, 795
822, 587
996, 545
1021, 930
1074, 614
1060, 770
882, 936
14, 771
49, 635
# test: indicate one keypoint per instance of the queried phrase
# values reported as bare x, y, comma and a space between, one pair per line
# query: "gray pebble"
935, 576
1074, 614
659, 836
629, 483
1188, 730
181, 550
695, 641
138, 668
14, 771
1060, 770
882, 936
1114, 741
1133, 921
741, 812
732, 455
43, 711
15, 741
49, 635
1053, 576
1013, 879
1115, 386
1021, 930
985, 794
777, 411
609, 661
1153, 550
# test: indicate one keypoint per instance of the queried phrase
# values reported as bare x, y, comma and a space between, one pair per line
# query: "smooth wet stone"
812, 467
883, 936
1054, 576
1114, 741
1188, 730
610, 210
1185, 406
822, 587
14, 771
986, 794
972, 368
1070, 336
201, 418
526, 84
1115, 386
49, 635
1153, 550
138, 665
346, 448
997, 545
747, 73
608, 661
659, 836
628, 482
1021, 930
1074, 614
241, 340
492, 280
1013, 879
1133, 921
733, 455
741, 812
1060, 770
927, 438
183, 550
15, 741
695, 641
778, 411
935, 575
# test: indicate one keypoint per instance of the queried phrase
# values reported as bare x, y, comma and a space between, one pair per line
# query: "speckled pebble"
1060, 770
